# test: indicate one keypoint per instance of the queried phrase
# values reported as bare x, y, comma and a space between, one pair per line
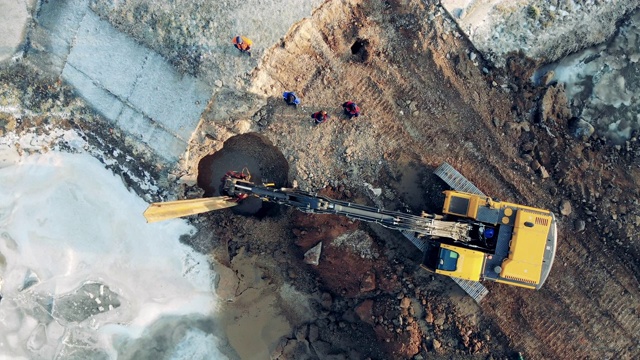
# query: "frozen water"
82, 272
603, 83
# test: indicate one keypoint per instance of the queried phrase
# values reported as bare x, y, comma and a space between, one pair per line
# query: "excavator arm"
313, 203
427, 224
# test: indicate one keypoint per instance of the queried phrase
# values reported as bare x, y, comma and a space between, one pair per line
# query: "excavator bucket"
175, 209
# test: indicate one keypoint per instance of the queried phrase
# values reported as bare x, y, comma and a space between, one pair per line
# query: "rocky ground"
426, 97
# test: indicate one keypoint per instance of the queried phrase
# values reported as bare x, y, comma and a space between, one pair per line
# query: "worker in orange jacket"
242, 43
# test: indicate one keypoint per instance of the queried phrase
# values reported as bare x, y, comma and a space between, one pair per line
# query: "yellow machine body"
521, 246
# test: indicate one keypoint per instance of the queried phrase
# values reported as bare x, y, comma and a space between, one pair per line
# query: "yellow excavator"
475, 238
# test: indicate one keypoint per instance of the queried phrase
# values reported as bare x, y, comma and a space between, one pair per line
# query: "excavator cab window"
459, 205
448, 260
431, 256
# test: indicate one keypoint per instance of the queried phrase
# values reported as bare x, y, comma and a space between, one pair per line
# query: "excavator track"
458, 182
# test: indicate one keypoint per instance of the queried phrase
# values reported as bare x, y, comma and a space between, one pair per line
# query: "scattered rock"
321, 348
548, 78
313, 333
242, 126
302, 332
579, 225
226, 284
565, 208
188, 180
436, 344
405, 303
359, 243
326, 300
580, 129
528, 147
429, 317
535, 165
312, 257
543, 172
296, 349
527, 158
368, 282
554, 105
365, 311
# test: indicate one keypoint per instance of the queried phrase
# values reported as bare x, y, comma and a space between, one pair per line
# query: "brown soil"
425, 102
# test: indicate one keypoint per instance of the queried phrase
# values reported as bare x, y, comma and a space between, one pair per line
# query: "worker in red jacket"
242, 43
319, 117
351, 109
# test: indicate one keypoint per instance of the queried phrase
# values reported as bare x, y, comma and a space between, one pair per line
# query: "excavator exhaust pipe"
175, 209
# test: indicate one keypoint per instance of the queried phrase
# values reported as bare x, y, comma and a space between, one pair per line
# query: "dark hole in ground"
359, 49
253, 152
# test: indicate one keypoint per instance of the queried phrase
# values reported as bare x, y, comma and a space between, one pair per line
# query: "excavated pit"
251, 152
360, 49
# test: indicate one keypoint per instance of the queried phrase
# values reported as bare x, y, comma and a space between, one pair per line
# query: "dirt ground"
424, 101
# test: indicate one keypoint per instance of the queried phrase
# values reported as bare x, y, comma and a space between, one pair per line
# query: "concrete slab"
62, 18
107, 56
175, 101
132, 86
47, 52
150, 133
57, 23
102, 100
14, 17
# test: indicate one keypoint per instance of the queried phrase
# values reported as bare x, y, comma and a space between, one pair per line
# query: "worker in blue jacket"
290, 98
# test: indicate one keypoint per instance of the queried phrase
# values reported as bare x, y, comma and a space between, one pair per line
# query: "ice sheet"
82, 269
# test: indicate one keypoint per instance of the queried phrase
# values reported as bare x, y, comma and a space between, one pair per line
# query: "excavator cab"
453, 261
